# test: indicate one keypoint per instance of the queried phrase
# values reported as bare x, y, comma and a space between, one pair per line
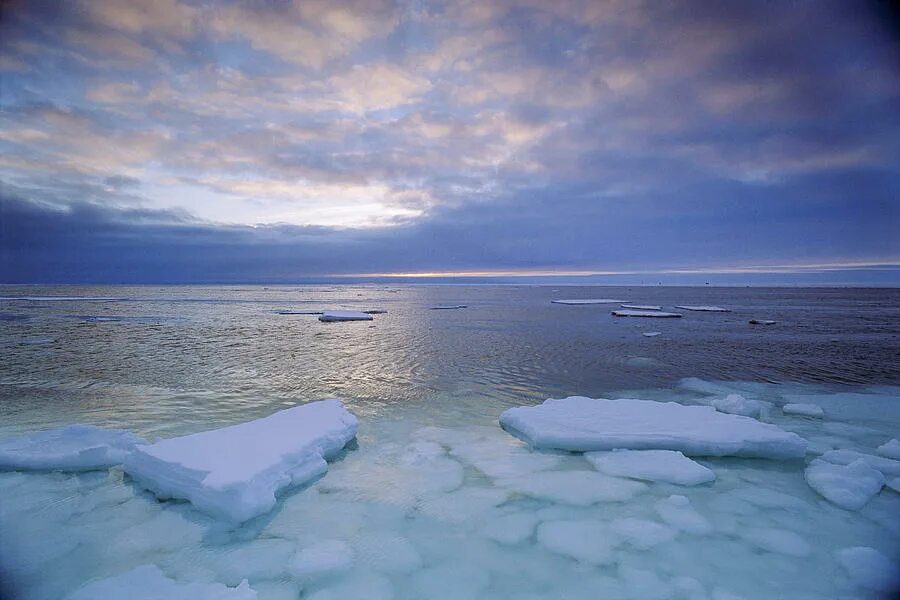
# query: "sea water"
424, 504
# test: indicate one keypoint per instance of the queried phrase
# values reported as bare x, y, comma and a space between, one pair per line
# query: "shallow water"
424, 513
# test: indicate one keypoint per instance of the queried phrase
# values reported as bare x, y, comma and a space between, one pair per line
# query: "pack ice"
72, 448
583, 424
148, 582
233, 473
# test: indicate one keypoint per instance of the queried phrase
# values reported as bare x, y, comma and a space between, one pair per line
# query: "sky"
269, 141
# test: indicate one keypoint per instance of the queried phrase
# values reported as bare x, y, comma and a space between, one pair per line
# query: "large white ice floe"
72, 448
890, 449
234, 473
651, 465
704, 308
803, 410
148, 582
581, 301
848, 486
344, 315
657, 314
736, 404
583, 424
870, 569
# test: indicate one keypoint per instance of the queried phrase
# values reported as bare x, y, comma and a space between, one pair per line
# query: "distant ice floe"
233, 473
584, 424
344, 315
870, 569
72, 448
762, 322
704, 308
61, 299
448, 307
804, 410
736, 404
651, 465
890, 449
581, 301
651, 333
148, 582
642, 306
375, 311
299, 312
848, 486
645, 313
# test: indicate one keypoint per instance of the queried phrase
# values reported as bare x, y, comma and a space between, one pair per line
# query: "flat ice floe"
804, 410
848, 486
642, 306
704, 308
344, 315
233, 473
580, 301
736, 404
148, 582
651, 465
584, 424
645, 313
72, 448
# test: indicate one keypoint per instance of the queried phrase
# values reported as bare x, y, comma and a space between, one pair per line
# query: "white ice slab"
658, 314
890, 449
735, 404
72, 448
449, 307
868, 568
849, 486
584, 424
642, 306
887, 466
344, 315
704, 308
581, 301
804, 410
651, 465
148, 582
234, 473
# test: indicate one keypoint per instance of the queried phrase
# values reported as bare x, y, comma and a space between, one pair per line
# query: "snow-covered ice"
870, 569
579, 301
848, 486
72, 448
583, 424
234, 472
804, 410
642, 306
890, 449
651, 465
736, 404
344, 315
652, 314
704, 308
148, 582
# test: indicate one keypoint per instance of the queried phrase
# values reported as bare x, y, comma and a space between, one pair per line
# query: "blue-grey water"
170, 360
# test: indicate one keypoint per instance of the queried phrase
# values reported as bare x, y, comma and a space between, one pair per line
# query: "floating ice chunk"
651, 333
887, 466
511, 529
780, 541
890, 449
448, 307
586, 541
641, 533
583, 424
735, 404
235, 472
805, 410
148, 582
328, 557
704, 308
645, 313
849, 486
868, 568
72, 448
464, 504
344, 315
578, 488
762, 322
642, 306
677, 511
580, 301
651, 465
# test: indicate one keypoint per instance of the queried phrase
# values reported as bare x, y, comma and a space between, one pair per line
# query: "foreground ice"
848, 486
148, 582
72, 448
344, 315
234, 473
704, 308
736, 404
579, 301
645, 313
651, 465
583, 424
804, 410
